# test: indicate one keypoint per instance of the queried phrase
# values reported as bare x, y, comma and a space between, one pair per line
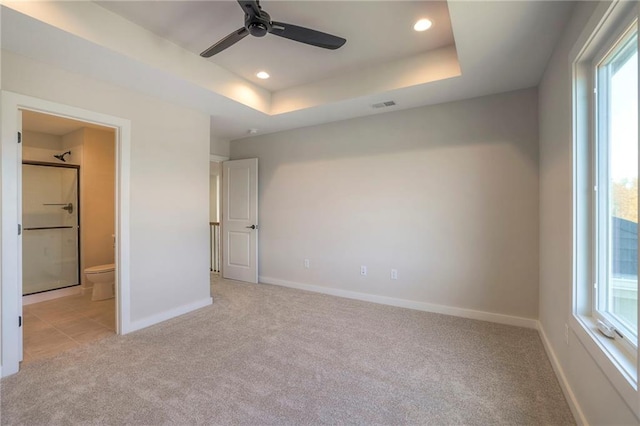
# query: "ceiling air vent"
385, 104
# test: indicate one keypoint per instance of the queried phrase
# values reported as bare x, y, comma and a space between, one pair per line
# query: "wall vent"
385, 104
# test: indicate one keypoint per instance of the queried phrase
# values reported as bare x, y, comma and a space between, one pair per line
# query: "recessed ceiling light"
263, 75
422, 25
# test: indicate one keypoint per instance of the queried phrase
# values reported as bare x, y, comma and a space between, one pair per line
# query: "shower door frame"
77, 208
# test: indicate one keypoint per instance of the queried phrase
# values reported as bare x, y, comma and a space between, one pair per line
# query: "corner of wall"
574, 405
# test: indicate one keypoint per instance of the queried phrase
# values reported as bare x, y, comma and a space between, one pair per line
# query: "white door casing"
19, 271
240, 220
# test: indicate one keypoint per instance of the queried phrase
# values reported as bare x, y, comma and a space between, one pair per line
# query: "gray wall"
597, 398
446, 194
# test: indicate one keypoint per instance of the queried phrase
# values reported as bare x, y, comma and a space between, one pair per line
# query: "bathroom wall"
97, 194
73, 142
38, 146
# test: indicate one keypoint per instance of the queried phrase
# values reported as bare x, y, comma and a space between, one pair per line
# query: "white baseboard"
564, 384
410, 304
166, 315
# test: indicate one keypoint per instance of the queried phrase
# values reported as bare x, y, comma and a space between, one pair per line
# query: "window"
616, 186
605, 222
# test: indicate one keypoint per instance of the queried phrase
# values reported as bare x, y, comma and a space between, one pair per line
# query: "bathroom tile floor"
58, 325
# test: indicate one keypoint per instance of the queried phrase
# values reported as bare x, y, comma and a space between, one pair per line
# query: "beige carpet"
268, 355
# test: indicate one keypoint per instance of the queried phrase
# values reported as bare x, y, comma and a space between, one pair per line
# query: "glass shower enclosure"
50, 238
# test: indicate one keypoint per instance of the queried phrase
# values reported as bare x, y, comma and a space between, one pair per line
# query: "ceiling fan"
258, 23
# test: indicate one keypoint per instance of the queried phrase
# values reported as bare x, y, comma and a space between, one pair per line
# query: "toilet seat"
100, 269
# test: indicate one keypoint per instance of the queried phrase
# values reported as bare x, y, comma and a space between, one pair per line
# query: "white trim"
410, 304
564, 383
166, 315
602, 350
11, 297
123, 228
10, 279
50, 295
217, 158
598, 17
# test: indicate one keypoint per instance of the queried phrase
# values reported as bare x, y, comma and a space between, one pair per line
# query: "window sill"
620, 366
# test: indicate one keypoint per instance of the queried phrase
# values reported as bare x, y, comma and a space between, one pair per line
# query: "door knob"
252, 227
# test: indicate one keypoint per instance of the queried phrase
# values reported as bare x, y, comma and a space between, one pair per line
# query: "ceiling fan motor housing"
258, 23
258, 26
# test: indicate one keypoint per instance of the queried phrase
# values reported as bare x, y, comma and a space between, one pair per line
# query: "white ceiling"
376, 32
499, 46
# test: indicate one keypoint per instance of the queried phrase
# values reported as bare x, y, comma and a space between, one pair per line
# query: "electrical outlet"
566, 333
363, 271
394, 274
307, 264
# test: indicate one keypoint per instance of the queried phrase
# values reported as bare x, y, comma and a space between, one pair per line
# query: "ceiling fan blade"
229, 40
306, 35
250, 7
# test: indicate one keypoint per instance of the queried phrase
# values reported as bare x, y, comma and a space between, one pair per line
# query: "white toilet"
103, 278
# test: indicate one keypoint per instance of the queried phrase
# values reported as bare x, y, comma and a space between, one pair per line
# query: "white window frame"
617, 358
601, 173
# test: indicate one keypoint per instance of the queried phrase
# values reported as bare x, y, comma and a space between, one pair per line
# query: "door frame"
10, 178
218, 159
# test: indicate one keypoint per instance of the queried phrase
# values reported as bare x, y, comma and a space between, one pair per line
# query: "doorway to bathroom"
68, 234
13, 106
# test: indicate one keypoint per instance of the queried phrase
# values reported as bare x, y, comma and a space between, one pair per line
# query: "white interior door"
240, 220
